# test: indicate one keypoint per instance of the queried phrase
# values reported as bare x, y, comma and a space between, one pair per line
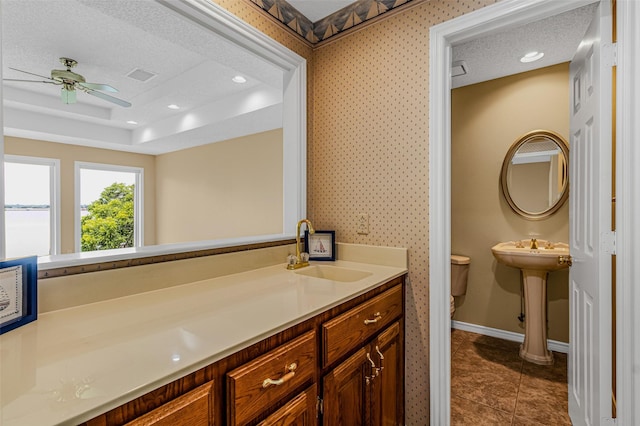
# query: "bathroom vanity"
254, 347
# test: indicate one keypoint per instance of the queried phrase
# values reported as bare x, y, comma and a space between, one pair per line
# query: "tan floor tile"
544, 405
545, 375
486, 389
465, 412
457, 338
519, 421
490, 383
471, 358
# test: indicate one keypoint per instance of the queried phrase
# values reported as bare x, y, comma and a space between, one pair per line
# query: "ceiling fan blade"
108, 98
27, 72
29, 81
98, 86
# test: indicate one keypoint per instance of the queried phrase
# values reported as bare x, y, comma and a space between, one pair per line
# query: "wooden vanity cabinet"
344, 366
367, 387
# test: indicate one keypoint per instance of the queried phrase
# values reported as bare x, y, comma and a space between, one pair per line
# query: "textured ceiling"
498, 55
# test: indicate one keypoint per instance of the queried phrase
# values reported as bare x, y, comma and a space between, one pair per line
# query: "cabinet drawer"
256, 385
300, 410
352, 328
194, 408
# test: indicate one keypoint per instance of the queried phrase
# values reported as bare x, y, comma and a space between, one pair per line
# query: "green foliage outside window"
109, 223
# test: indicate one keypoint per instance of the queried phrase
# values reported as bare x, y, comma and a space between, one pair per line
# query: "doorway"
492, 18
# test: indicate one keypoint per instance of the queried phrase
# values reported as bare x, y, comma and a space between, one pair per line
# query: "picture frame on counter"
18, 292
321, 245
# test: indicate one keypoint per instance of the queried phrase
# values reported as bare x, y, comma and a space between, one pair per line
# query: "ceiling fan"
71, 82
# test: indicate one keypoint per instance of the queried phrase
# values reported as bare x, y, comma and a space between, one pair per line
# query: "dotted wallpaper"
368, 149
370, 155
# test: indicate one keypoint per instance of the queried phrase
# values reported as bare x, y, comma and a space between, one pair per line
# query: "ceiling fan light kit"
71, 82
68, 94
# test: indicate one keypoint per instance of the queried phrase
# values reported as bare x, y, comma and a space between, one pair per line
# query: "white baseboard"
553, 345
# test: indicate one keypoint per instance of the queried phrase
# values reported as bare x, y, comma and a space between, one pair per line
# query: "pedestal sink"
535, 258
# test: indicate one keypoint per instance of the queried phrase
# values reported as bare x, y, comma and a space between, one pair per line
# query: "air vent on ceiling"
141, 75
458, 68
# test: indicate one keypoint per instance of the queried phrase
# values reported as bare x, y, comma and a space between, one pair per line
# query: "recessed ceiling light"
239, 79
531, 56
132, 122
173, 106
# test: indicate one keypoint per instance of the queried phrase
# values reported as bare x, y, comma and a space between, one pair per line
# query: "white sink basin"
540, 259
333, 273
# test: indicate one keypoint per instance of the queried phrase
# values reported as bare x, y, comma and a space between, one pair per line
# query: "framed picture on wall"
320, 245
18, 292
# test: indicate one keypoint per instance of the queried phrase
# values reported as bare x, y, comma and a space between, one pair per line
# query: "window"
31, 206
108, 211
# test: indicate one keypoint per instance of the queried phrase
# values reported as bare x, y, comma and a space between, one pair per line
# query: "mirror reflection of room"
208, 145
537, 175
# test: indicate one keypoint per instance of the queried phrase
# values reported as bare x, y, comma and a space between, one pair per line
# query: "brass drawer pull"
381, 359
377, 317
283, 379
374, 371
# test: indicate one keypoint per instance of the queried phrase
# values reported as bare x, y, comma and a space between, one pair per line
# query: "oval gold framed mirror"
535, 174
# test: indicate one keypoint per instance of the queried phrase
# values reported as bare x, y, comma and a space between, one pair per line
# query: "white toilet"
459, 274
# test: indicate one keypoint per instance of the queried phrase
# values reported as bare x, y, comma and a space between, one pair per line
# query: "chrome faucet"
302, 259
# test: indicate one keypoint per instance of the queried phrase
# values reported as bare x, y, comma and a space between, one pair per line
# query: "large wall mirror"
224, 161
534, 177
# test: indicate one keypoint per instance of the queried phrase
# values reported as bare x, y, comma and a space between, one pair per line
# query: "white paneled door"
591, 239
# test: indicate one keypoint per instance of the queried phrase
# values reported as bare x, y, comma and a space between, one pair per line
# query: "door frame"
499, 16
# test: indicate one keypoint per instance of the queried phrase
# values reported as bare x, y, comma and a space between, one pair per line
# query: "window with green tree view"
108, 212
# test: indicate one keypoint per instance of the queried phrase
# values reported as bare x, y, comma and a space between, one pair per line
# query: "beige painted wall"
226, 189
237, 175
487, 118
68, 154
529, 185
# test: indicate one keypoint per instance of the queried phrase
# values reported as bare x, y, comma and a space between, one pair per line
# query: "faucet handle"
549, 245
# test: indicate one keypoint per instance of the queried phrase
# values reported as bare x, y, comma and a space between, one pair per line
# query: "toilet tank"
459, 274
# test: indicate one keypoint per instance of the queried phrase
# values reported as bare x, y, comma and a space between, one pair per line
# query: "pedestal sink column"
534, 348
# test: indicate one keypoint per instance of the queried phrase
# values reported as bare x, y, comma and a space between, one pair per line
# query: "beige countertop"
73, 364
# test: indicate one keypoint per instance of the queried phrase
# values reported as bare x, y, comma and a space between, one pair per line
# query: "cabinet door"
346, 400
300, 411
194, 408
388, 385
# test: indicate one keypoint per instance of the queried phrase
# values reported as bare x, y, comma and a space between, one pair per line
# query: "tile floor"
492, 385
